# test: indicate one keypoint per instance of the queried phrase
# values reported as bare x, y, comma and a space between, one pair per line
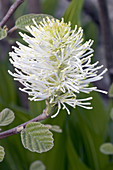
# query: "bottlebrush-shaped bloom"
56, 64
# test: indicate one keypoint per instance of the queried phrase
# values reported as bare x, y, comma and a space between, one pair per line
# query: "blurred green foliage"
3, 33
49, 6
84, 131
73, 13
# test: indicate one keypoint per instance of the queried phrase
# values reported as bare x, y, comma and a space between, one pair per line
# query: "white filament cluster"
56, 64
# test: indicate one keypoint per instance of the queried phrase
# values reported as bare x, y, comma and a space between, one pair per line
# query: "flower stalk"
46, 113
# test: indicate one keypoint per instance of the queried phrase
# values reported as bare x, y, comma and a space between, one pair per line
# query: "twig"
12, 30
11, 11
106, 33
19, 128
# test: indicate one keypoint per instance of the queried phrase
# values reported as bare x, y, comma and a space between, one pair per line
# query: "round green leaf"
37, 165
37, 138
2, 153
27, 20
55, 128
107, 148
6, 117
3, 33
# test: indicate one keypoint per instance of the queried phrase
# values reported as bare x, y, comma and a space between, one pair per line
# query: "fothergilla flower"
56, 64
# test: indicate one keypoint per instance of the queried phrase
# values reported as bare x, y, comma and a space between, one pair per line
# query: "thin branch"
12, 30
5, 5
10, 12
106, 33
19, 128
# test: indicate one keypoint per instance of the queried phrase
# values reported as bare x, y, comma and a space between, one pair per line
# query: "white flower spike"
55, 65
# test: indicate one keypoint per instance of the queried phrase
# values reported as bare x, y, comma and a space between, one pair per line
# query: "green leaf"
37, 138
111, 114
27, 20
3, 33
91, 32
37, 165
73, 157
23, 157
6, 117
8, 91
55, 128
59, 150
111, 91
109, 166
89, 133
36, 107
49, 6
14, 144
2, 153
107, 148
96, 114
73, 12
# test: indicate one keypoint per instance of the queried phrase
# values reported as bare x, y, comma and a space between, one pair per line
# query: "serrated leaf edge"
28, 133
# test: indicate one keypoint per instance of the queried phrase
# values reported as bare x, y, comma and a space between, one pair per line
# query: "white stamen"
56, 64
